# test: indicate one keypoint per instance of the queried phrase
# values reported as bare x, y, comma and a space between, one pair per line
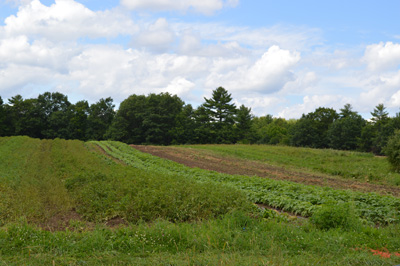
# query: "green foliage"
344, 133
45, 178
376, 135
338, 164
244, 123
340, 215
221, 113
146, 119
100, 116
392, 150
312, 129
234, 239
293, 197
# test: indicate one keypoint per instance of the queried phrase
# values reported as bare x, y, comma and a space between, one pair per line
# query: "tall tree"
222, 114
77, 125
100, 117
312, 129
204, 132
25, 116
184, 131
161, 117
345, 132
381, 128
55, 108
146, 119
244, 120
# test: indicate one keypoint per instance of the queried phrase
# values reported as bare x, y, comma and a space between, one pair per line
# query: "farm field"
76, 203
337, 169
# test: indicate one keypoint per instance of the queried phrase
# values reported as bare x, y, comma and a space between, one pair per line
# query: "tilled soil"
236, 166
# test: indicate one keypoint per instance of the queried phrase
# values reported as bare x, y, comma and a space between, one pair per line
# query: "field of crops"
343, 164
75, 203
293, 197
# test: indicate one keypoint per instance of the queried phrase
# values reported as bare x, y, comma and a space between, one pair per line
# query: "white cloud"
205, 6
158, 37
395, 100
381, 89
66, 20
310, 103
267, 75
381, 57
179, 86
191, 44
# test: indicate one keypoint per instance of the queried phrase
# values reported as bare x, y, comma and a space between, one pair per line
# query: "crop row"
292, 197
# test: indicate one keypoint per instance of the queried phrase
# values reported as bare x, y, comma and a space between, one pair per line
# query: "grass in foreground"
234, 239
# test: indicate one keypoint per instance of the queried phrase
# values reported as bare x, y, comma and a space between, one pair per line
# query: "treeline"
164, 119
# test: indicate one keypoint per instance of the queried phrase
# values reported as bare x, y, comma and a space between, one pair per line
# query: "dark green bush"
392, 150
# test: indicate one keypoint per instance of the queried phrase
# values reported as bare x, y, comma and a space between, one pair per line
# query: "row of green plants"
360, 166
42, 179
297, 198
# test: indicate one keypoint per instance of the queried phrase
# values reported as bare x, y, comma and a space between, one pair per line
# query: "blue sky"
283, 58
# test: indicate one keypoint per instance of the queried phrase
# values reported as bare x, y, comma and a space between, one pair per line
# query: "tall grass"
234, 239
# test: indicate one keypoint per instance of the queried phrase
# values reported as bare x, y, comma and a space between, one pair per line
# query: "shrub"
340, 215
392, 150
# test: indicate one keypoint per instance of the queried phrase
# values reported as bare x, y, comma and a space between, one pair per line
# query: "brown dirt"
61, 222
235, 166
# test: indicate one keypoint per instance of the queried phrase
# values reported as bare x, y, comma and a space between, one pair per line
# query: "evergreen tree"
222, 115
243, 123
381, 128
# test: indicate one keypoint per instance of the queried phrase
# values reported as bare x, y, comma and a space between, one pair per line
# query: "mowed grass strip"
344, 164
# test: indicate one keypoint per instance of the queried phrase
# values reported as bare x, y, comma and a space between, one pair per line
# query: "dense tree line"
164, 119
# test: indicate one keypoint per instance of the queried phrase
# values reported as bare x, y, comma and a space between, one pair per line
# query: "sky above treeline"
283, 58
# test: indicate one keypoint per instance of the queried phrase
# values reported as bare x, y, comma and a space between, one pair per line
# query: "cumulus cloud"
310, 103
205, 6
157, 37
179, 86
381, 89
66, 20
267, 75
191, 44
382, 56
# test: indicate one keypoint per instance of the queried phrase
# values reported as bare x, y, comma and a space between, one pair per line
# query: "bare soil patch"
235, 166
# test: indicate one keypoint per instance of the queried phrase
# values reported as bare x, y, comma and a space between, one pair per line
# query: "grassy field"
75, 203
343, 164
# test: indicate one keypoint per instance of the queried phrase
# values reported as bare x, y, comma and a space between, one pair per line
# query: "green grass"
43, 178
175, 215
346, 164
289, 196
232, 239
